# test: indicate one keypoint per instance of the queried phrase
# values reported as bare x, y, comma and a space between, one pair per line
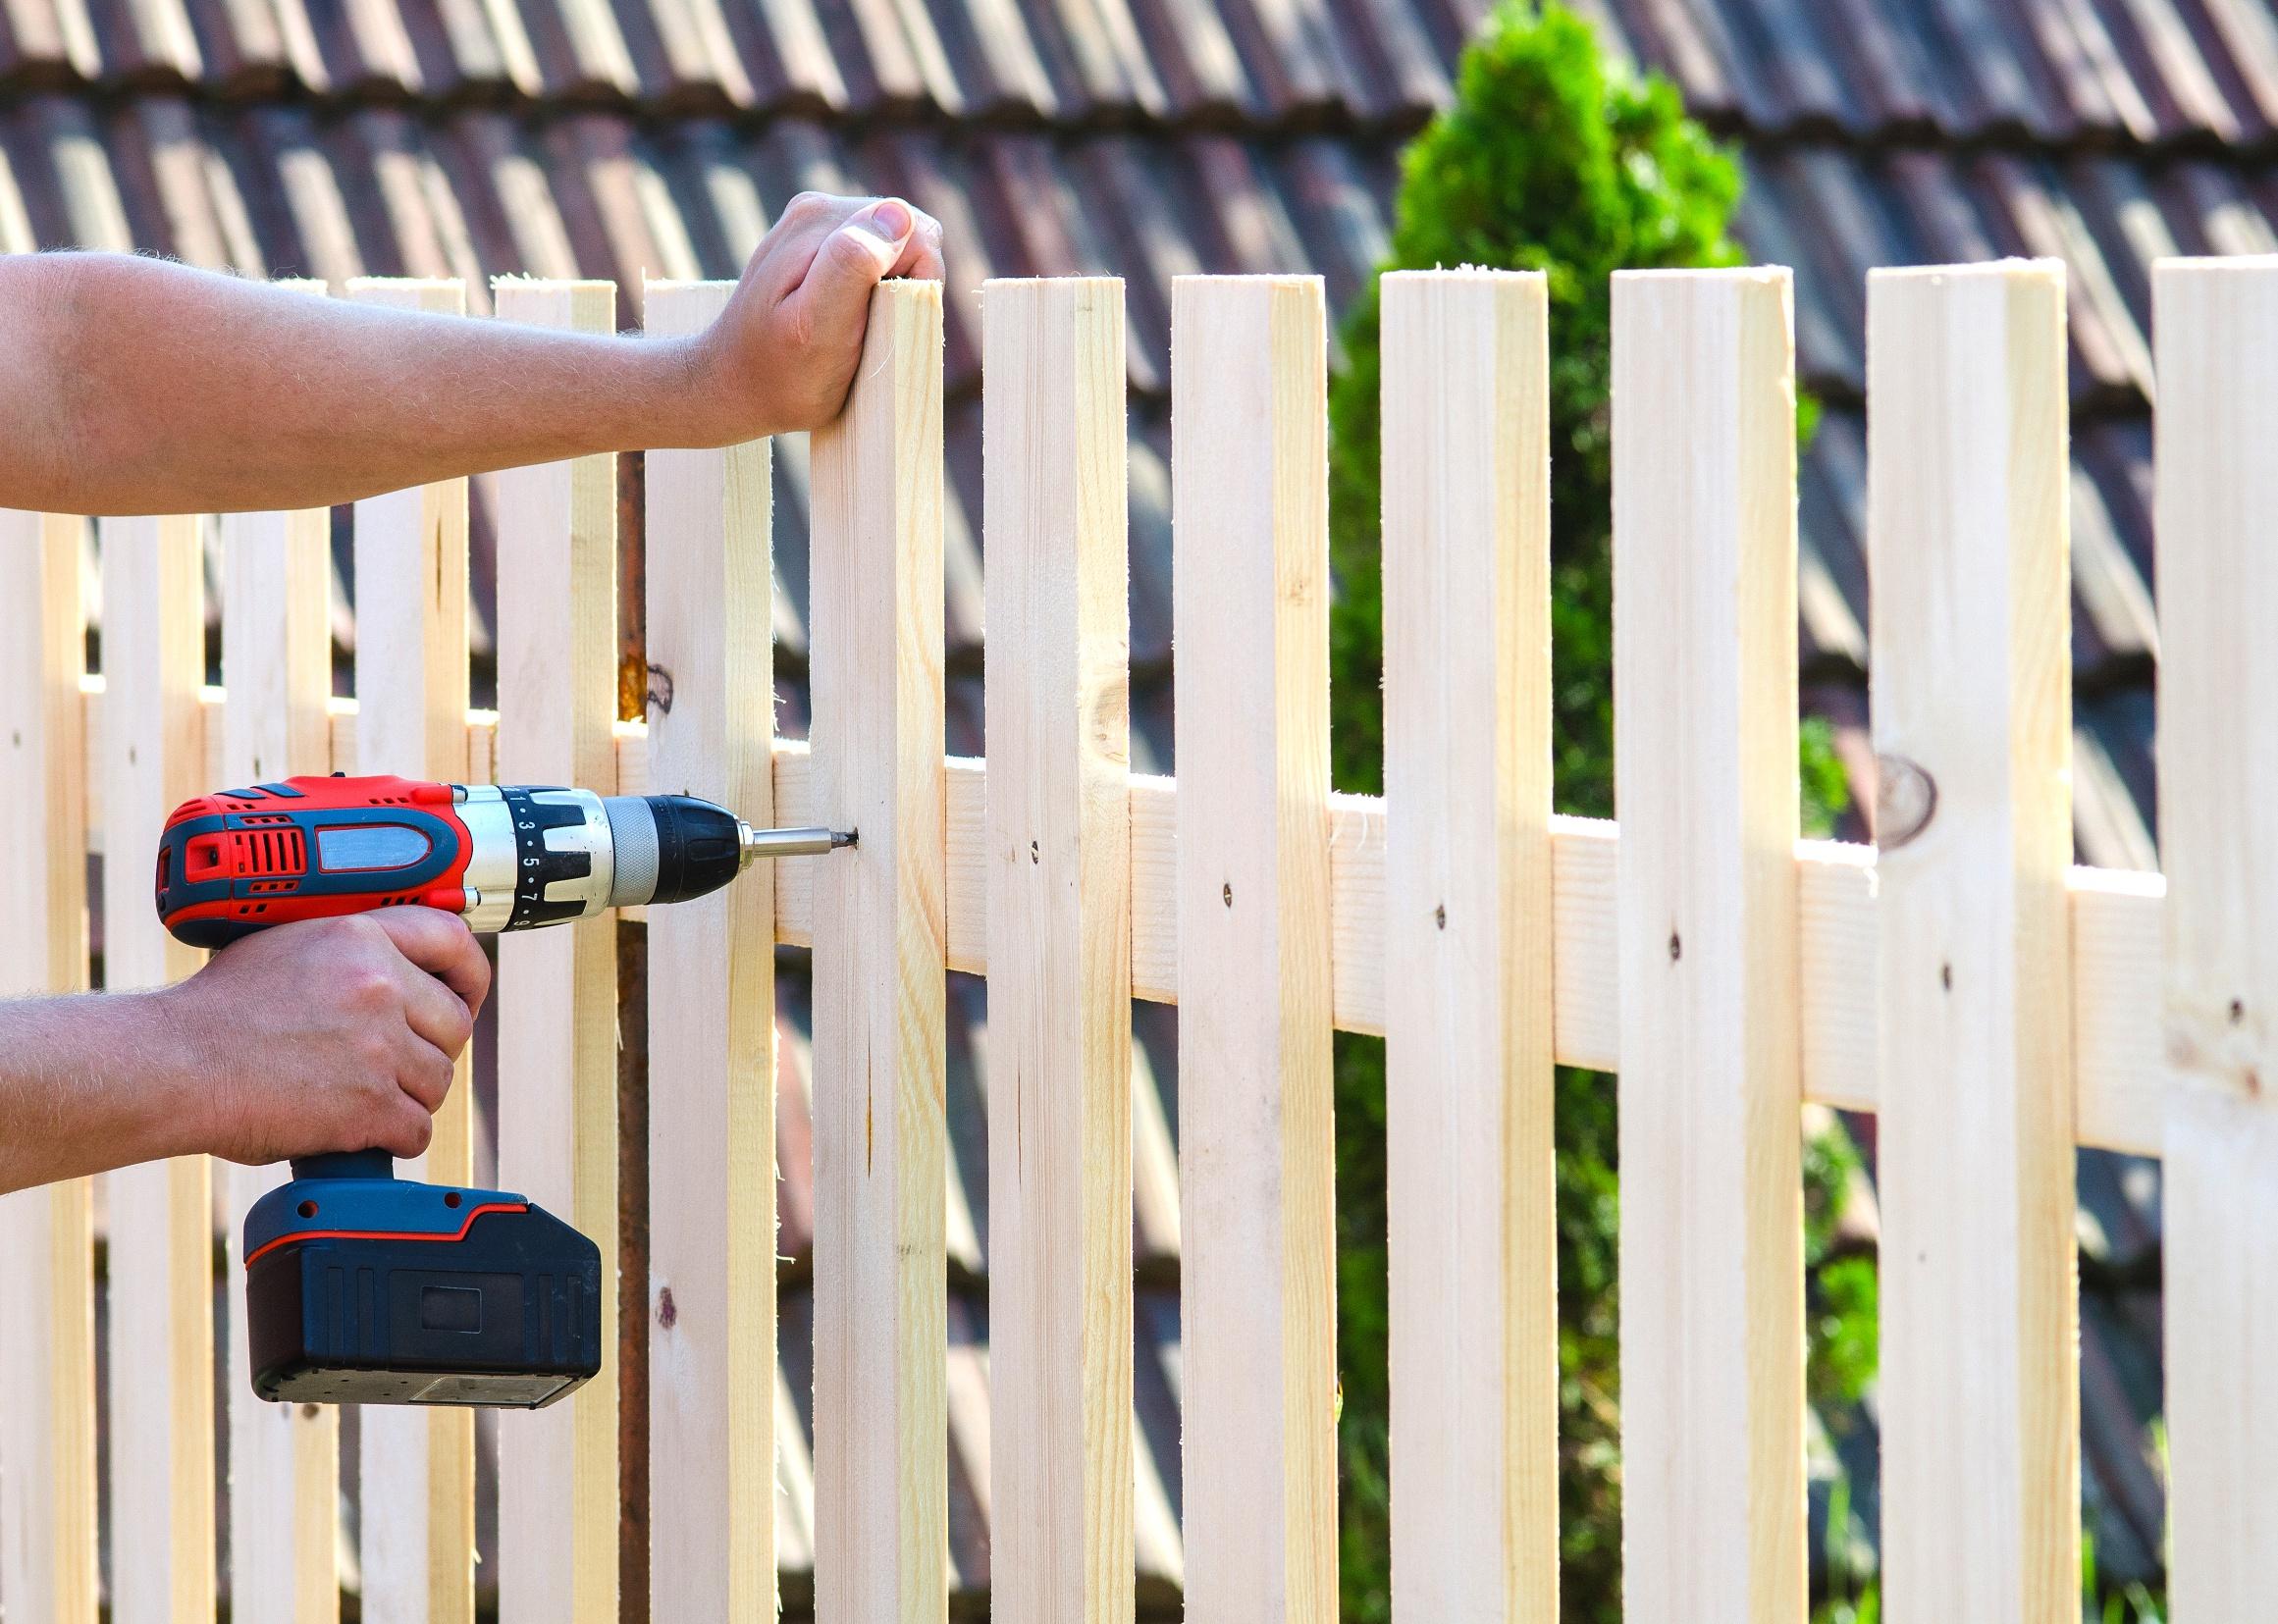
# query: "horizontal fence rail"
1996, 1006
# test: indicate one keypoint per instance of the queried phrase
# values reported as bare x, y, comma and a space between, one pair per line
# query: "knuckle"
376, 1055
804, 204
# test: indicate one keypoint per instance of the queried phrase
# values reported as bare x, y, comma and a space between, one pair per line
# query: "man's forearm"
89, 1082
134, 386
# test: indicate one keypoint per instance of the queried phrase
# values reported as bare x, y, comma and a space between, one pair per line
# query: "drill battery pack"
365, 1289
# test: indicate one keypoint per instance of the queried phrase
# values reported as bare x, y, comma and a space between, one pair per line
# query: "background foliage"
1550, 160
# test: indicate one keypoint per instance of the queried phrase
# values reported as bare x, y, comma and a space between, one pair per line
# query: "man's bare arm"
329, 1034
135, 386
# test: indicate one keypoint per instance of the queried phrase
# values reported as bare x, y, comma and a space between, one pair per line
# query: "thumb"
835, 292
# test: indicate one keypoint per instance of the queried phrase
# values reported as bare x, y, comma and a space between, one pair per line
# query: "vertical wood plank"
1711, 1092
2217, 336
417, 1501
712, 1032
275, 677
47, 1303
1256, 1165
161, 1335
1470, 1181
1058, 835
881, 1049
1972, 696
558, 988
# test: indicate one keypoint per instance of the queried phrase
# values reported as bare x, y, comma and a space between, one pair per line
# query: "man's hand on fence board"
325, 1035
136, 386
782, 356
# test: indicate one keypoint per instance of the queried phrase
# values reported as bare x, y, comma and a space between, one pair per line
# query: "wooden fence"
1995, 1005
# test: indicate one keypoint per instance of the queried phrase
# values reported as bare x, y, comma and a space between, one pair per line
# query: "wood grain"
161, 1328
2217, 335
1057, 876
277, 671
417, 1501
880, 1043
558, 988
1466, 913
712, 1034
1972, 689
48, 1512
1709, 1091
1250, 600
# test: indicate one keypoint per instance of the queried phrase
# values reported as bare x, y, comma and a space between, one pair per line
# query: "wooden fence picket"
276, 675
1256, 1161
417, 1500
48, 1512
558, 1504
711, 1032
881, 1545
1967, 487
161, 1306
2217, 332
1710, 1093
1470, 1182
1058, 846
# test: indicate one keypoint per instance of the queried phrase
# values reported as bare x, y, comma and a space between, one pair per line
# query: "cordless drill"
362, 1287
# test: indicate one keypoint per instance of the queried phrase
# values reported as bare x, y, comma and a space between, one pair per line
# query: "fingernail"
889, 221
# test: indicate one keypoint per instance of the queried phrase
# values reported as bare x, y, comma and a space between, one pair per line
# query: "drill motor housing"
502, 857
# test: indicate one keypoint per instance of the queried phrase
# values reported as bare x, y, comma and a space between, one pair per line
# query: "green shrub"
1550, 160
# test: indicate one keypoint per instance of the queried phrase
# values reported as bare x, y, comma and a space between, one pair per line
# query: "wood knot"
668, 1313
1905, 801
1676, 947
1440, 916
1227, 894
1946, 976
1034, 855
658, 697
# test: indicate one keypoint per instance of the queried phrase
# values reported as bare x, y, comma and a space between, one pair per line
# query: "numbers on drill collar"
538, 865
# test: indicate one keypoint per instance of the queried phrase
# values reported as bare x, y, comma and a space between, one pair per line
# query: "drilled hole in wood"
1034, 856
1676, 948
1440, 916
1227, 894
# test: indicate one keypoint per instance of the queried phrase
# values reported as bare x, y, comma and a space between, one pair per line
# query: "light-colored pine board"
161, 1331
48, 1512
2217, 332
276, 674
417, 1501
712, 1034
1471, 1188
2120, 1080
1709, 1089
558, 1501
1057, 878
1257, 1162
1972, 687
880, 1044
